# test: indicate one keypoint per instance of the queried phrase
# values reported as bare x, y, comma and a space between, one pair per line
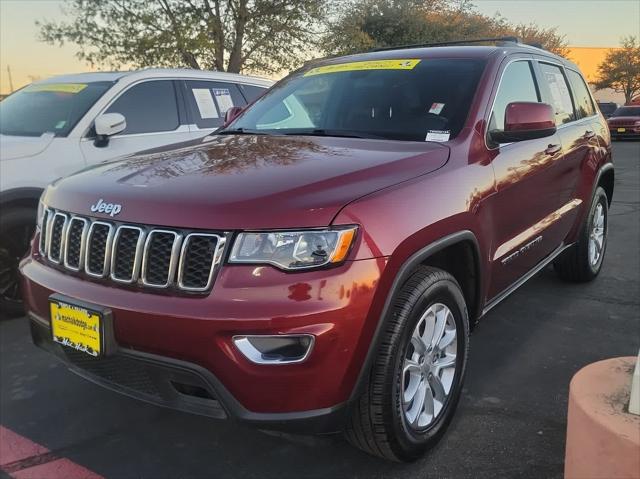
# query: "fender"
605, 167
401, 277
26, 194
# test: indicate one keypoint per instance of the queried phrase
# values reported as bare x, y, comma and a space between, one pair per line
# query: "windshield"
411, 100
627, 111
48, 107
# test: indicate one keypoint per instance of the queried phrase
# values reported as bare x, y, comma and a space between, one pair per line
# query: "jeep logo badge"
111, 209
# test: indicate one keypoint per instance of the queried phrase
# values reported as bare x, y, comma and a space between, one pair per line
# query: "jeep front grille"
132, 254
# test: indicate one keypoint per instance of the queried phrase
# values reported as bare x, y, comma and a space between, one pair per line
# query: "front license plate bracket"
107, 344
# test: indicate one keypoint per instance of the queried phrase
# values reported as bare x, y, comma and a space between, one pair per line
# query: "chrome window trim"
487, 116
136, 259
107, 250
62, 237
83, 242
216, 260
175, 248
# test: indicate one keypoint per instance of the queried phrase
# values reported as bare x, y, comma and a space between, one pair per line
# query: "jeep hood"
246, 181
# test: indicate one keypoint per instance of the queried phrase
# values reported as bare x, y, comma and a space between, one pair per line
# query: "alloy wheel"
429, 367
596, 236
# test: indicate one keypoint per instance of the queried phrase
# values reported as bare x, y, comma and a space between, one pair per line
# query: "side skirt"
536, 269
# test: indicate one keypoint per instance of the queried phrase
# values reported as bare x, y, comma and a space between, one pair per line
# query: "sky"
584, 22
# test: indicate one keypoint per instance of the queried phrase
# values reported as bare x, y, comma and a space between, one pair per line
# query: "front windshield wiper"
241, 131
335, 133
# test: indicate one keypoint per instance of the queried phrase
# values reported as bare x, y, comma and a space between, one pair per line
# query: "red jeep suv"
317, 264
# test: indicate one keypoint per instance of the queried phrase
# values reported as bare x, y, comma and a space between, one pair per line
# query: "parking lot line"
22, 458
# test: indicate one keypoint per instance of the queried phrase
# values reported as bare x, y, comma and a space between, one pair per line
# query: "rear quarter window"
581, 96
252, 92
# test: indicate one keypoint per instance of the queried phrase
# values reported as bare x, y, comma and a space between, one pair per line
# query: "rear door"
207, 102
526, 200
155, 118
577, 124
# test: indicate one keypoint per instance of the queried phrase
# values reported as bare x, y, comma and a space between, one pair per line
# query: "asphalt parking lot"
511, 420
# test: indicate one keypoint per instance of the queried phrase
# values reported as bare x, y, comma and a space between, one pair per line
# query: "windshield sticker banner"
437, 135
403, 64
58, 87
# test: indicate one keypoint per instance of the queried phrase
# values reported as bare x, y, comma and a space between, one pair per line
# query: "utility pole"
10, 80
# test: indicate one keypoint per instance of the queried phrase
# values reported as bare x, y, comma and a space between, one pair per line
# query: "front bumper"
179, 385
630, 132
187, 340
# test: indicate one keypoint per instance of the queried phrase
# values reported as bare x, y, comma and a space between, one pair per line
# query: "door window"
517, 84
584, 104
148, 107
560, 96
209, 101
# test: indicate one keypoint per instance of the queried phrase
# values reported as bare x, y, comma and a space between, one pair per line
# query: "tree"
227, 35
365, 24
620, 69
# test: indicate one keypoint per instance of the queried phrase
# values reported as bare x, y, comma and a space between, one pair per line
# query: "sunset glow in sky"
596, 23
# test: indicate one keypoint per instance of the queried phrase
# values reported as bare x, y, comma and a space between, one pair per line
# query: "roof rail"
454, 42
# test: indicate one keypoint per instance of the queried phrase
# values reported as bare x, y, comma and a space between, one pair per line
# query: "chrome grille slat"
137, 255
126, 255
98, 250
56, 235
199, 257
75, 243
44, 235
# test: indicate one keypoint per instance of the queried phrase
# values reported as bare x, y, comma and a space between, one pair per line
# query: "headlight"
293, 250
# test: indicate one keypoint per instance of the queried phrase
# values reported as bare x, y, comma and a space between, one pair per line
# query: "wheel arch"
435, 254
27, 196
606, 179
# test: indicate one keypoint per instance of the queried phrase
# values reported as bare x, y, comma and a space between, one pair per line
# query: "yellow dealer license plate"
76, 327
621, 130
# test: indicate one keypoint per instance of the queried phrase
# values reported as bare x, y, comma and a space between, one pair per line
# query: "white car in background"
54, 127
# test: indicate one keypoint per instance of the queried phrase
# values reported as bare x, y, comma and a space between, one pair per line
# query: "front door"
527, 206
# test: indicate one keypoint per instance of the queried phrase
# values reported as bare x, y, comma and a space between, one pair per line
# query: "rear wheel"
583, 261
16, 229
415, 383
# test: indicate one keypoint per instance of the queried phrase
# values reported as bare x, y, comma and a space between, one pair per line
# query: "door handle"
589, 134
553, 149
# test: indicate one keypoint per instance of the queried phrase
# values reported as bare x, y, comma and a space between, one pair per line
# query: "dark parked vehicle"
318, 264
607, 108
625, 122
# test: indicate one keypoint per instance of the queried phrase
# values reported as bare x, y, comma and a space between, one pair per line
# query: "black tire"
16, 229
377, 422
575, 263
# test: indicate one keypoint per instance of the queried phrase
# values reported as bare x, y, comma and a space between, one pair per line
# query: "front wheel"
16, 229
415, 383
583, 261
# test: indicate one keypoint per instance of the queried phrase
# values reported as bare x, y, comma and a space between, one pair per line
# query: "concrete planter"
603, 438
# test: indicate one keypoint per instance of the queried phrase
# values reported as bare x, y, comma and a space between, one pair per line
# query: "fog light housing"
275, 349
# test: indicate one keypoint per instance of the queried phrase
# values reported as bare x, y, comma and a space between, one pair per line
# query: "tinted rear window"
251, 92
148, 107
